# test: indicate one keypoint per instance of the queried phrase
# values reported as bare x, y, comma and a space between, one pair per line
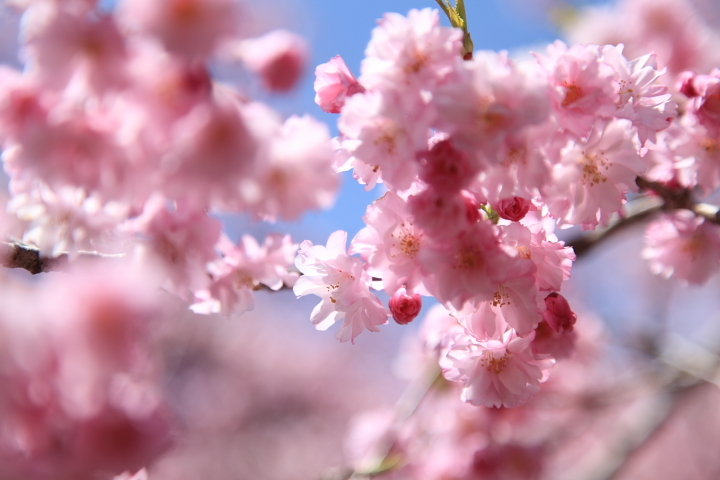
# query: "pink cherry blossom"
192, 29
495, 373
414, 51
64, 46
582, 85
467, 267
278, 58
683, 245
548, 341
443, 215
293, 171
706, 105
242, 269
493, 97
673, 29
524, 164
552, 259
390, 244
592, 177
213, 146
694, 153
180, 241
342, 284
641, 99
334, 83
377, 130
513, 303
445, 167
68, 220
685, 84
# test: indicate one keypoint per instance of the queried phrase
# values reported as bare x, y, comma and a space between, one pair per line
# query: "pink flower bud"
472, 207
278, 57
333, 84
686, 84
405, 307
558, 314
513, 209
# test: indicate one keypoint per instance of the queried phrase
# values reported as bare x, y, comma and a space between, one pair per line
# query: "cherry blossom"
643, 101
683, 245
412, 51
378, 131
342, 284
467, 267
293, 172
242, 269
390, 244
495, 373
334, 83
592, 177
553, 261
278, 58
192, 29
582, 85
493, 97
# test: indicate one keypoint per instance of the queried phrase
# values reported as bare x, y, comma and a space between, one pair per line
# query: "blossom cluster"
117, 139
480, 158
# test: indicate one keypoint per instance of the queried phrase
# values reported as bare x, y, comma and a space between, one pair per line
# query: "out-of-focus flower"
278, 58
683, 245
193, 29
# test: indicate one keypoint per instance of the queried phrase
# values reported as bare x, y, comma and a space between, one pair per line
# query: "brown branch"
27, 257
18, 255
637, 211
662, 198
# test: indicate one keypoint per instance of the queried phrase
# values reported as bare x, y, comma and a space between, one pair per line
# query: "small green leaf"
458, 19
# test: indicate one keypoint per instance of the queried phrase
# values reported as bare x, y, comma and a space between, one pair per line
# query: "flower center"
592, 167
500, 299
468, 258
524, 252
242, 279
406, 240
573, 93
492, 364
387, 138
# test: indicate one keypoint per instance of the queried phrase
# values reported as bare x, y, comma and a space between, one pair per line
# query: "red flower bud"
405, 307
558, 314
513, 209
686, 84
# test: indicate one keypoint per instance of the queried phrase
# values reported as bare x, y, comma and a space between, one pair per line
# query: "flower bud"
472, 207
278, 57
513, 209
686, 84
558, 314
405, 307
